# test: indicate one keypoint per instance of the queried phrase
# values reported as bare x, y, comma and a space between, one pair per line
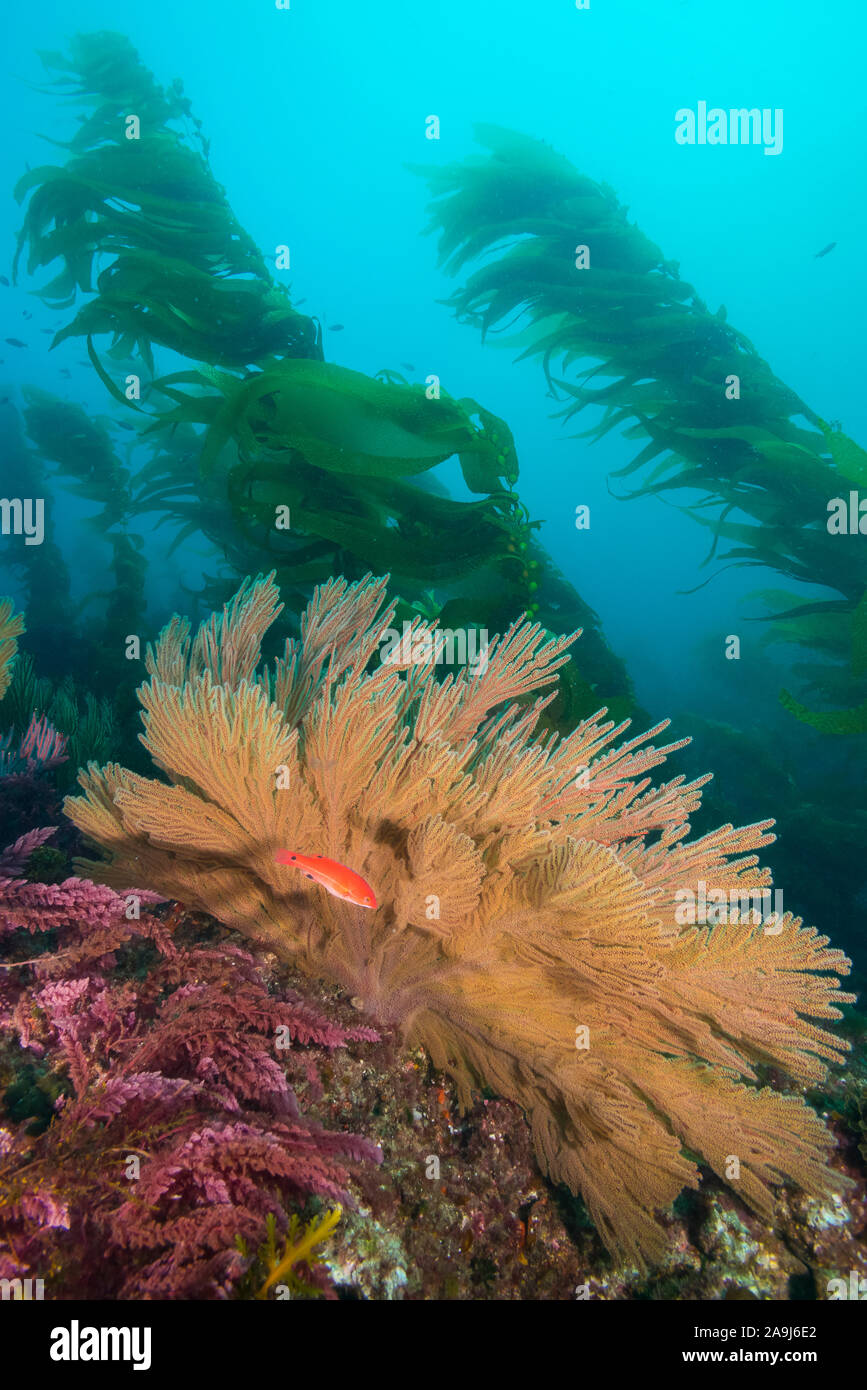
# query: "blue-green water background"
313, 115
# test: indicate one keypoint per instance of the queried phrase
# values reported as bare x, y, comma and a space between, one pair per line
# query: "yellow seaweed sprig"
297, 1247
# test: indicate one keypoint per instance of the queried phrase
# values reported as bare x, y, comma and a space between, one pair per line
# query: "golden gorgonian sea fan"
528, 930
11, 628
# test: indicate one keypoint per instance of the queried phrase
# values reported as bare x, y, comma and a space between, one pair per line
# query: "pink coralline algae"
174, 1073
14, 859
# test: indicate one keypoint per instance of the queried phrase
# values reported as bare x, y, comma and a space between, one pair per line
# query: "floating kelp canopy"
260, 427
626, 334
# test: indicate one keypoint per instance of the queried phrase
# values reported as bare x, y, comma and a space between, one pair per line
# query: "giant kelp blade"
512, 222
846, 721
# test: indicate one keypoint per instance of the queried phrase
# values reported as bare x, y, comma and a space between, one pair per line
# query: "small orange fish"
335, 878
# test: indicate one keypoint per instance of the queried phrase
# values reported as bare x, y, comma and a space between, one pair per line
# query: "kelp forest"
521, 853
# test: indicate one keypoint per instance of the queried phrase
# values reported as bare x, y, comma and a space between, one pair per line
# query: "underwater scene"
433, 653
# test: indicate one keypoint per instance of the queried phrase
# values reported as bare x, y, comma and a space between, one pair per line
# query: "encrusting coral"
527, 932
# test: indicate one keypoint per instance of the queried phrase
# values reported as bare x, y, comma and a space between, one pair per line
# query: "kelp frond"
183, 272
620, 330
